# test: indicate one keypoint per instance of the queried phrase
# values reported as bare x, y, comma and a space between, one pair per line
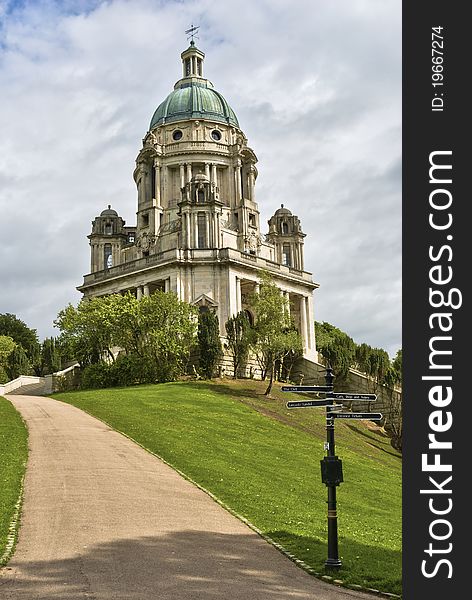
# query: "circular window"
177, 135
216, 135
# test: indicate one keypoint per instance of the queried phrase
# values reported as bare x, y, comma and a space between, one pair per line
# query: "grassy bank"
263, 461
13, 455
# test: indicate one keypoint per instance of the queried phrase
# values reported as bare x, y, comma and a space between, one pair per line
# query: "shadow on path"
185, 565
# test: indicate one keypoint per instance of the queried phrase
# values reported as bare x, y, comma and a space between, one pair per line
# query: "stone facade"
198, 228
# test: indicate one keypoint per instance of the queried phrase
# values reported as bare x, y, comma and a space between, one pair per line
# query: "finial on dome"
281, 206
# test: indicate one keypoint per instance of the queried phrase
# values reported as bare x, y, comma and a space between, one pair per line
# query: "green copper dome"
194, 100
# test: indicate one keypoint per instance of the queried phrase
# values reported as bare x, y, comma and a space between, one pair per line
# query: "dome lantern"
192, 61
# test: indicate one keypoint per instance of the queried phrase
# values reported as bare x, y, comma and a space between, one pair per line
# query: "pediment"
204, 300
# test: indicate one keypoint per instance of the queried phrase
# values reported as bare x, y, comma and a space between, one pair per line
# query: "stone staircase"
25, 385
31, 389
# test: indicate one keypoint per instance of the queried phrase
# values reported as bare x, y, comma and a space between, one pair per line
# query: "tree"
362, 357
336, 347
22, 335
237, 332
377, 367
50, 357
294, 352
7, 346
397, 365
209, 342
169, 328
89, 328
394, 424
273, 335
18, 363
159, 329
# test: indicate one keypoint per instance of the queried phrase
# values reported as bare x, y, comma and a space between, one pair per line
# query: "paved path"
105, 520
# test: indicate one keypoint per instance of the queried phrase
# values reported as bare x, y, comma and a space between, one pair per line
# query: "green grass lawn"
13, 455
263, 461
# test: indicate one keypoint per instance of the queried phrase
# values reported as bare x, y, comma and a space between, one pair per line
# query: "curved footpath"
105, 520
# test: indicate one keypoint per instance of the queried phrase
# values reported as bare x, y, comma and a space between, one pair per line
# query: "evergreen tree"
50, 357
209, 342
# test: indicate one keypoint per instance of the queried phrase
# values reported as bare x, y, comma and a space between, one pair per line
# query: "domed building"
198, 226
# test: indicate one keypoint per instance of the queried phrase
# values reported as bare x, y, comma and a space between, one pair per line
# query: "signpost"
331, 465
347, 396
369, 416
306, 388
308, 403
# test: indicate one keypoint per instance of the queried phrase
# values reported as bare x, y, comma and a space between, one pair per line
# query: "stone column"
157, 191
217, 231
214, 178
195, 230
146, 289
187, 227
238, 294
167, 285
207, 170
296, 255
257, 287
238, 182
252, 180
178, 286
214, 231
311, 324
287, 300
189, 172
139, 292
303, 326
182, 175
207, 230
164, 186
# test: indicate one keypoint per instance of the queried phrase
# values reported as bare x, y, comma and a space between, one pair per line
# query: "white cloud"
316, 86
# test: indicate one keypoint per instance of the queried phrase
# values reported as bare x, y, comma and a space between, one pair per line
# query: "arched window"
107, 256
284, 227
201, 231
108, 228
200, 196
286, 255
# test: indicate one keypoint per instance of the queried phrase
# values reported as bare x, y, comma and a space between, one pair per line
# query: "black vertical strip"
426, 131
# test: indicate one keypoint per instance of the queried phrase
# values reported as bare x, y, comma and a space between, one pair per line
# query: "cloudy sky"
316, 86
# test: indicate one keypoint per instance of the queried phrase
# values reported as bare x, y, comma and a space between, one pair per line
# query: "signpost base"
333, 563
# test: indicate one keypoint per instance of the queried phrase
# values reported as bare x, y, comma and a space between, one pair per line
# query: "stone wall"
311, 373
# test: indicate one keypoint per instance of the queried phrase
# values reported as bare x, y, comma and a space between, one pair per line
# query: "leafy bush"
132, 369
96, 376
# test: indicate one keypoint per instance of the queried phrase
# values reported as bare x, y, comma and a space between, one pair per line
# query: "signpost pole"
333, 560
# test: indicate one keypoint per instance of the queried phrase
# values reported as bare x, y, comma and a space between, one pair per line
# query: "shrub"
96, 376
132, 369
